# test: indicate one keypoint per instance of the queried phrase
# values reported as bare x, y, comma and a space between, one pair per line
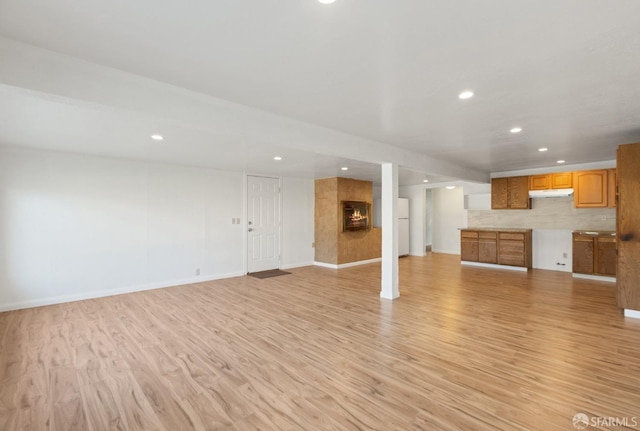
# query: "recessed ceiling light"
326, 1
344, 168
560, 161
278, 158
425, 181
450, 187
467, 94
516, 130
157, 137
543, 149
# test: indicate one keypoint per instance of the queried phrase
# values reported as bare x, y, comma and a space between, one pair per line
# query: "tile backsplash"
546, 213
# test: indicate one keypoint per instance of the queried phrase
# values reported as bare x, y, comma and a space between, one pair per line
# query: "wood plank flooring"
463, 348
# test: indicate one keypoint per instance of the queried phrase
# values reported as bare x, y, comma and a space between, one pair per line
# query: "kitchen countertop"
595, 232
495, 229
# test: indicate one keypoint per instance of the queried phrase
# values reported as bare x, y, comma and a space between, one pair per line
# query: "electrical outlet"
564, 255
197, 271
313, 245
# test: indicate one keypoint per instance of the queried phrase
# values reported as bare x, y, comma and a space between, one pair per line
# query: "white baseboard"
110, 292
492, 265
347, 265
297, 265
594, 277
434, 250
632, 313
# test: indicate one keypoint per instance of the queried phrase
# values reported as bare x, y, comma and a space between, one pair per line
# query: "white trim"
635, 314
347, 265
326, 265
445, 251
594, 277
111, 292
297, 265
492, 265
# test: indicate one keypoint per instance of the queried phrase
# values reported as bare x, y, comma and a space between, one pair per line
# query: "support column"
389, 231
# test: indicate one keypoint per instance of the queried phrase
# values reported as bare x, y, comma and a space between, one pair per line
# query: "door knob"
250, 230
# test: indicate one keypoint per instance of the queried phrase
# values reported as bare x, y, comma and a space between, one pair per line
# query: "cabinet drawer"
487, 235
607, 239
469, 234
579, 237
511, 253
512, 236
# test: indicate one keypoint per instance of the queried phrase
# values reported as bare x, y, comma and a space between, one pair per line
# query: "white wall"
298, 196
449, 216
74, 227
416, 196
428, 218
549, 247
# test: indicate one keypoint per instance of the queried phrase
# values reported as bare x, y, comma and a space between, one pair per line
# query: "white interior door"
263, 223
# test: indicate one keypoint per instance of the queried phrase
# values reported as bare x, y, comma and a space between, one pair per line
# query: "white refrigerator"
403, 227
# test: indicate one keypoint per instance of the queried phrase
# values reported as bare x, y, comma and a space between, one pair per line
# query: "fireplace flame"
356, 216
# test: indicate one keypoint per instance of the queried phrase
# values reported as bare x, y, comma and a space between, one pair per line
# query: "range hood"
555, 193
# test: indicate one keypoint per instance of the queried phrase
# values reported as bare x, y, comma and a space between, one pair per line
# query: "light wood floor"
463, 348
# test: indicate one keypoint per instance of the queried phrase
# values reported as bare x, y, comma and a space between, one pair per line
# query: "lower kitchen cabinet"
513, 249
510, 247
594, 253
469, 246
488, 247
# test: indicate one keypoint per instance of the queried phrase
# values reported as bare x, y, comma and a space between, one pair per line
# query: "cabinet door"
562, 180
499, 193
613, 190
590, 189
606, 255
583, 254
511, 249
540, 182
469, 246
488, 247
519, 193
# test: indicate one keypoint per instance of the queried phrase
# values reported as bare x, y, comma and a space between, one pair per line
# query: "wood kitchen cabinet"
560, 180
628, 227
606, 257
613, 191
487, 247
594, 253
583, 246
469, 246
591, 188
510, 247
510, 193
514, 248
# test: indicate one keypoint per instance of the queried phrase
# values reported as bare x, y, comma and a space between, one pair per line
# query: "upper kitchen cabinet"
510, 193
613, 192
560, 180
591, 188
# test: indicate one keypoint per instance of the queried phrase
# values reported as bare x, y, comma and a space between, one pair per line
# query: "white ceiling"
382, 72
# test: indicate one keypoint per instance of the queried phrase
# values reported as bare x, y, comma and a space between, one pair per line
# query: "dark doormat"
268, 274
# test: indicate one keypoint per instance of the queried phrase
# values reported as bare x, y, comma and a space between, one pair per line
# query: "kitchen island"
496, 247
